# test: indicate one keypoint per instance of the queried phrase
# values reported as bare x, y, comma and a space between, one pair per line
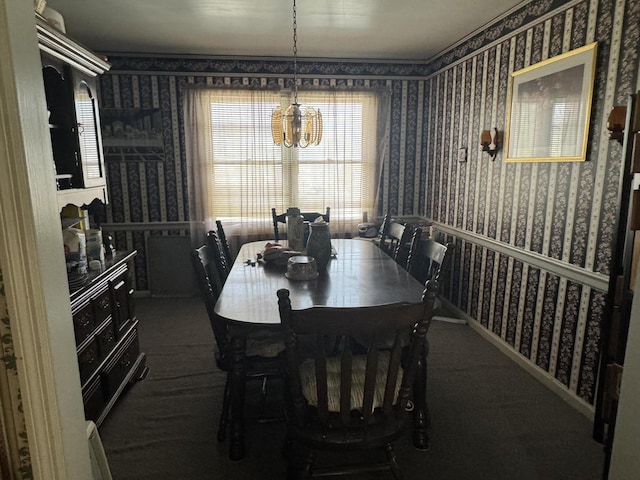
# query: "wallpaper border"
512, 23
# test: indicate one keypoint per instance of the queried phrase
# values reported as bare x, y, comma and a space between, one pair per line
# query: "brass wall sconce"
489, 142
616, 122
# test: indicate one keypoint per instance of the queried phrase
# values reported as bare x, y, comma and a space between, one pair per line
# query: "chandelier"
296, 126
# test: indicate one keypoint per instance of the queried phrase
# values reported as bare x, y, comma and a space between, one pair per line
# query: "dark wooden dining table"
359, 275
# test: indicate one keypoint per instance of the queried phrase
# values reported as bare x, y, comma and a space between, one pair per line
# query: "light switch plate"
462, 154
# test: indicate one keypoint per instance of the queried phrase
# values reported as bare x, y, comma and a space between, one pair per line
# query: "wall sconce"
489, 142
616, 122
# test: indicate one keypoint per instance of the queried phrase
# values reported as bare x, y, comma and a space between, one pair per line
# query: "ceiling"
356, 29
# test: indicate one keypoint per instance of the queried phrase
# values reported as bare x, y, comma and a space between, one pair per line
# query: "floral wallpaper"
563, 211
151, 185
13, 458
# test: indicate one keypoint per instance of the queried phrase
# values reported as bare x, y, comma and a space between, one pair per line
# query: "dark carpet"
490, 419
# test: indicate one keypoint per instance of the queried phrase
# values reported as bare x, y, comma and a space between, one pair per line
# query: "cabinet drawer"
102, 306
106, 338
93, 399
117, 370
123, 303
83, 323
88, 359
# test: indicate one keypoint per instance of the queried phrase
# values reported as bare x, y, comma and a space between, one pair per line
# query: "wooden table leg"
421, 412
236, 440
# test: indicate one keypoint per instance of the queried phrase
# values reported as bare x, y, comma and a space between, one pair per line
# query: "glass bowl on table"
301, 267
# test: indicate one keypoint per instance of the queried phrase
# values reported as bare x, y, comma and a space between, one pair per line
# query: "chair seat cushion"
265, 343
309, 389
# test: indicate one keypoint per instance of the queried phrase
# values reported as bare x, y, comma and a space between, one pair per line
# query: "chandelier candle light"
296, 127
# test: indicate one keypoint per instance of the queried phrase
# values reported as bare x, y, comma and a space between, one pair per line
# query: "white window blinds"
248, 174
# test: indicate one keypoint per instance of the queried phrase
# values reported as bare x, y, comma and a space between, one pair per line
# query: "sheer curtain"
342, 171
237, 174
234, 169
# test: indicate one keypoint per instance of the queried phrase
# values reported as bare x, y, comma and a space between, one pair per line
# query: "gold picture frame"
549, 108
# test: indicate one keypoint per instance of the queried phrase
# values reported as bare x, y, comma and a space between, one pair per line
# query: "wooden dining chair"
396, 241
219, 258
411, 263
383, 230
226, 249
348, 400
433, 260
306, 217
264, 357
387, 241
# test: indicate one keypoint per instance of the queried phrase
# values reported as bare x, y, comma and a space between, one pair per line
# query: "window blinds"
249, 174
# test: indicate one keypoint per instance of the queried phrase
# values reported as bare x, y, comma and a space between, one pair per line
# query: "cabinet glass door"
89, 135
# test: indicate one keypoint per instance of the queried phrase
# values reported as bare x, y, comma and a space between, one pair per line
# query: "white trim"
542, 376
143, 226
459, 321
569, 271
57, 44
31, 261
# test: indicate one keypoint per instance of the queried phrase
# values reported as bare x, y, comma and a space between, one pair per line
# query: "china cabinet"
104, 320
69, 72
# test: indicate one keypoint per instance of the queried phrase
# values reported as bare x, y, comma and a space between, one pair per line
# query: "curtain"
383, 127
233, 167
341, 172
237, 174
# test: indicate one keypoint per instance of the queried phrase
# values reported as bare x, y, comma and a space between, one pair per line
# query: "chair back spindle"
220, 259
434, 260
210, 286
412, 254
226, 249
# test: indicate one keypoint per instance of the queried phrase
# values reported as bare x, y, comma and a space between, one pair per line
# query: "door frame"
32, 262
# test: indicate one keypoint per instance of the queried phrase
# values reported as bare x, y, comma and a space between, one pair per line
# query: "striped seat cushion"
308, 380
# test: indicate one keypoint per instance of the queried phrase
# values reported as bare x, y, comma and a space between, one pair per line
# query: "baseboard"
459, 321
542, 376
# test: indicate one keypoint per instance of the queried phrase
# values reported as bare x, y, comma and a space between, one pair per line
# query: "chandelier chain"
295, 126
295, 54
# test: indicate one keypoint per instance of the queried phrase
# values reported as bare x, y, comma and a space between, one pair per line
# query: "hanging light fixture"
296, 126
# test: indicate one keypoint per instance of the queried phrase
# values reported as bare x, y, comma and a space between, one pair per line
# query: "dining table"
359, 274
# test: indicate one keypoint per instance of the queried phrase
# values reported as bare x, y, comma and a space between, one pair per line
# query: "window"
87, 133
247, 174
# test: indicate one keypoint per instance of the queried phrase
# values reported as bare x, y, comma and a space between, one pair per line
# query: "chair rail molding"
144, 226
566, 270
